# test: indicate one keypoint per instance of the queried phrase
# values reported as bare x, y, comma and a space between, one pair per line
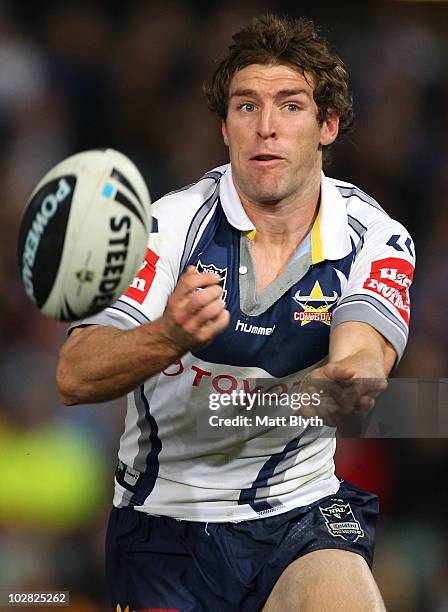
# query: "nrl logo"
221, 272
341, 522
315, 306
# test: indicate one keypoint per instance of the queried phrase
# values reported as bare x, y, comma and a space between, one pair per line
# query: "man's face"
273, 134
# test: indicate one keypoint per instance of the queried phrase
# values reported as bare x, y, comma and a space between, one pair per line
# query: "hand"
343, 393
195, 312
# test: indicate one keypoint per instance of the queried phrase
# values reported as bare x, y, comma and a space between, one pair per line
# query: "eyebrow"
282, 93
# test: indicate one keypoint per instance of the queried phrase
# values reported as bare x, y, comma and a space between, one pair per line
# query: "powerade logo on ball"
38, 256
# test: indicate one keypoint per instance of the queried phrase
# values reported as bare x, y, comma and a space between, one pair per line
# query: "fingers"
365, 404
341, 394
201, 299
334, 371
191, 280
212, 328
194, 293
195, 312
204, 315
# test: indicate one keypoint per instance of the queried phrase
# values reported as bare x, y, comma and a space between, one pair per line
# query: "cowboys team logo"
315, 306
341, 523
221, 272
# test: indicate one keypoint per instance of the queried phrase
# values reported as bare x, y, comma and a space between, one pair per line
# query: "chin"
262, 189
264, 193
264, 197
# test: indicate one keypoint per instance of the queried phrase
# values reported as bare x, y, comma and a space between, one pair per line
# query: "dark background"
77, 75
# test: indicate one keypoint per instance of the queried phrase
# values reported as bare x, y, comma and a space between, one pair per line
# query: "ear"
329, 128
224, 132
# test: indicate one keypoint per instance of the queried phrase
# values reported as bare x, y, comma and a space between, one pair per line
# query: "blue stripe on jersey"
213, 175
359, 230
128, 314
356, 225
207, 236
130, 310
248, 496
147, 483
377, 304
195, 225
348, 192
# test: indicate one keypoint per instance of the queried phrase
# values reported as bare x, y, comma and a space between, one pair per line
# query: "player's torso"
358, 268
282, 332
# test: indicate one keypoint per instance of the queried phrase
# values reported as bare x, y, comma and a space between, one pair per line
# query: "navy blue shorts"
163, 563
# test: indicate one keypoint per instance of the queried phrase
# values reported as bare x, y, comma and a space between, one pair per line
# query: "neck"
284, 223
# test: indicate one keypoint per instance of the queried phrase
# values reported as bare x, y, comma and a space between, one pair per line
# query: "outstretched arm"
360, 360
99, 363
362, 349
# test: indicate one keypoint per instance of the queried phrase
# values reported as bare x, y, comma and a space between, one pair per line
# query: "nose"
266, 127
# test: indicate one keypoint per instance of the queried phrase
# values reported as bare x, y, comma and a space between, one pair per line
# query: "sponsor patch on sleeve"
391, 278
141, 284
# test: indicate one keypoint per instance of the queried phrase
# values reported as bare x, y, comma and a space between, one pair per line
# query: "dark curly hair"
296, 43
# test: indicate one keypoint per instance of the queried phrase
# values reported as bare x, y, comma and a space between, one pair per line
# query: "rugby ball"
83, 234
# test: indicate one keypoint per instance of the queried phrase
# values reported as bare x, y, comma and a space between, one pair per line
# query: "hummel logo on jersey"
254, 329
315, 306
221, 272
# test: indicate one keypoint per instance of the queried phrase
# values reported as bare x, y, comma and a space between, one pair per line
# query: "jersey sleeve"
146, 298
377, 290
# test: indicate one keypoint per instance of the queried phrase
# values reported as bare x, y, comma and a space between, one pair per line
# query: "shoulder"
179, 217
364, 210
177, 209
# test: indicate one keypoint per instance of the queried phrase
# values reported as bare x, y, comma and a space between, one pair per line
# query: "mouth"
265, 157
266, 161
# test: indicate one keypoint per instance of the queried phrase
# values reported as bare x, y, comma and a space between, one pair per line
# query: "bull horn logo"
311, 310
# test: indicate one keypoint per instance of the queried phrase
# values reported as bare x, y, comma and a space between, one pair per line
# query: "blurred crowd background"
79, 75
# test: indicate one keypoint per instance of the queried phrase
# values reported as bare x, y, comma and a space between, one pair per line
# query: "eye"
292, 107
248, 107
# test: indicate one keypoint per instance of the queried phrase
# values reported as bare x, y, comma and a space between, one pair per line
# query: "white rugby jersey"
356, 265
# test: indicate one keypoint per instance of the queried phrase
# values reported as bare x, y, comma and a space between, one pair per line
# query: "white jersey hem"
234, 513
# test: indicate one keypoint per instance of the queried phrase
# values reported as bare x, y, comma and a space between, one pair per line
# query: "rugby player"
263, 269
